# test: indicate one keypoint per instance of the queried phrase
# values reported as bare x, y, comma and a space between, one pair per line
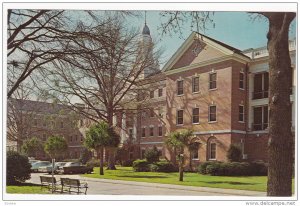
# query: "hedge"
233, 168
161, 166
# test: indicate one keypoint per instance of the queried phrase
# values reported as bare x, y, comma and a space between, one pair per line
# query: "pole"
53, 163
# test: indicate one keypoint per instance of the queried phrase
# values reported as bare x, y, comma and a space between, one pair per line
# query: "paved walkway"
121, 187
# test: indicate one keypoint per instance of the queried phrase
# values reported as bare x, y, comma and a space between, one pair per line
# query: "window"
44, 137
179, 117
151, 131
81, 139
195, 115
241, 113
71, 139
242, 80
212, 80
160, 92
213, 151
194, 152
152, 94
130, 133
44, 123
76, 138
61, 125
261, 118
195, 84
35, 122
261, 85
180, 87
212, 113
160, 131
143, 132
152, 113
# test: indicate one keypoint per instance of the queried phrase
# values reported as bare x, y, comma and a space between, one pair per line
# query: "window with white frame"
212, 80
160, 92
195, 84
179, 118
260, 117
195, 116
180, 87
242, 80
213, 151
212, 117
241, 113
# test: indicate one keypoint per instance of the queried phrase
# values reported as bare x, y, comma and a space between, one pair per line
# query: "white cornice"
208, 62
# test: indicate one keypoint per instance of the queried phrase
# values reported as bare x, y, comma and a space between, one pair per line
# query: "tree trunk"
280, 145
110, 150
101, 161
111, 159
181, 160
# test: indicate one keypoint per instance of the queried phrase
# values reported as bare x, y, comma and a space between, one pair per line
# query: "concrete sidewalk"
121, 187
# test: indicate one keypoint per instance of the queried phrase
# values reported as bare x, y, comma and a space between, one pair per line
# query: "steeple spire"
146, 30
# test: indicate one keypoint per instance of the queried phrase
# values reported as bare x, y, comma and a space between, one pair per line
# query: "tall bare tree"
104, 74
281, 144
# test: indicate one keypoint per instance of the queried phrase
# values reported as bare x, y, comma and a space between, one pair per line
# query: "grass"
254, 183
26, 188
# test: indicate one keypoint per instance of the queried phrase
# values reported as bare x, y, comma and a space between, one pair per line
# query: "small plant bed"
26, 188
254, 183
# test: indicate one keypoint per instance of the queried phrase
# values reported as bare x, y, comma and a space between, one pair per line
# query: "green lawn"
255, 183
26, 188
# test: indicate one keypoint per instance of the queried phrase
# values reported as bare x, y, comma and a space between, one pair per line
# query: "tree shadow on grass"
146, 176
228, 182
23, 184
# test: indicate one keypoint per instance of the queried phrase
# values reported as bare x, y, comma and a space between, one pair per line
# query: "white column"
123, 131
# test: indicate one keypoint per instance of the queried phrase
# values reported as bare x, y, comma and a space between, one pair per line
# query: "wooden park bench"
46, 181
73, 185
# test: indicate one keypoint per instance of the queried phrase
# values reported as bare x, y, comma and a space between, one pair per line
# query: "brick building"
27, 119
218, 91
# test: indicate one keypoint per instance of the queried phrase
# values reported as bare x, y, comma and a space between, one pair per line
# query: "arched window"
212, 148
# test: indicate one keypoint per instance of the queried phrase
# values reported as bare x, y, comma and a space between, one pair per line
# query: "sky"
237, 29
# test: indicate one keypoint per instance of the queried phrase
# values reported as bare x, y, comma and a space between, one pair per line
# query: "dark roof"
146, 30
39, 107
235, 50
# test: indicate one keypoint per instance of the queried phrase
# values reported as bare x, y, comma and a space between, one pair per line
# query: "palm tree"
178, 140
101, 136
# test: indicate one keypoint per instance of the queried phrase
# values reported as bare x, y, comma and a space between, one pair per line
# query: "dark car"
76, 168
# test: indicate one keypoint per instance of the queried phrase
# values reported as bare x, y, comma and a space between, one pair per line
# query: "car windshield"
69, 164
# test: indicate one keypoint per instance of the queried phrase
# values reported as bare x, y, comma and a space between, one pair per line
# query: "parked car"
35, 166
48, 169
31, 161
76, 168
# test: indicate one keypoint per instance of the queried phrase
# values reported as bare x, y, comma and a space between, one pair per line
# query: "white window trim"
212, 72
193, 77
243, 113
193, 115
178, 80
177, 117
210, 151
209, 121
241, 72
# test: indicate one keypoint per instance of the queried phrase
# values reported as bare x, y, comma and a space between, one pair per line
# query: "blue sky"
236, 29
